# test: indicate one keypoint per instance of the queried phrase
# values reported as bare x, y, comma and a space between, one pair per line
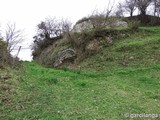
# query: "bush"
5, 57
134, 24
3, 53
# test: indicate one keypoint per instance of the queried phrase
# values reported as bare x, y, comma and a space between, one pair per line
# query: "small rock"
131, 58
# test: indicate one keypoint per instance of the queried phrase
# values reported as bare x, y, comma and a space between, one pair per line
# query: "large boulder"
83, 26
119, 22
90, 23
64, 56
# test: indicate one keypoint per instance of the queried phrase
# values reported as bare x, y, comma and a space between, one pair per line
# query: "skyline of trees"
141, 7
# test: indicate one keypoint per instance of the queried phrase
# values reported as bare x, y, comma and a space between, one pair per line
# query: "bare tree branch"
53, 27
130, 6
156, 4
120, 10
13, 36
142, 5
100, 19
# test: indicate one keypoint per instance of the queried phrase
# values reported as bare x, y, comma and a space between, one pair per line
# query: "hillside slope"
139, 49
104, 49
116, 83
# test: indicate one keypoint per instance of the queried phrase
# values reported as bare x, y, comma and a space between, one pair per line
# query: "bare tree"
130, 6
100, 19
142, 5
66, 25
156, 4
158, 8
13, 36
48, 31
53, 27
120, 10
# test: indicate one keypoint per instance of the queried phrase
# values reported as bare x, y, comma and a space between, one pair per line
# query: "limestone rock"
93, 46
64, 56
88, 24
83, 26
120, 23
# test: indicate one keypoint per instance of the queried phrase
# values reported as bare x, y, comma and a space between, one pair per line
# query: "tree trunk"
143, 12
131, 13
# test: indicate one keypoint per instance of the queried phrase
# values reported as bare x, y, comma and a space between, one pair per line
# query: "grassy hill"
139, 49
122, 79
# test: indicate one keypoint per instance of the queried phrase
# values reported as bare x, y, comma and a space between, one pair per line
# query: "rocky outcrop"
92, 47
89, 24
85, 39
64, 56
83, 26
118, 23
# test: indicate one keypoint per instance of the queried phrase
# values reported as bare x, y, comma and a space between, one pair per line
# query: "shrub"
134, 24
5, 57
3, 52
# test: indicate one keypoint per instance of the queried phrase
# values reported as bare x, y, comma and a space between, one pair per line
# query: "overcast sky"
28, 13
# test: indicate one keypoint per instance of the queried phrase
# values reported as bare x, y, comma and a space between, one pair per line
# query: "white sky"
28, 13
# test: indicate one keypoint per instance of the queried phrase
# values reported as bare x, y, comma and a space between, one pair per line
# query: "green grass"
49, 94
139, 49
105, 89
